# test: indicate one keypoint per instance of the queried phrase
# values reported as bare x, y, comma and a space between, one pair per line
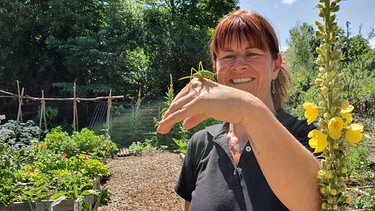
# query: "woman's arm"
289, 168
186, 205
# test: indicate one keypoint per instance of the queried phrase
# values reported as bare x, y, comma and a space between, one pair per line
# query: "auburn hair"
245, 25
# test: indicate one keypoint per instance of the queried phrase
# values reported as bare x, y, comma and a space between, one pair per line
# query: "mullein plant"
333, 114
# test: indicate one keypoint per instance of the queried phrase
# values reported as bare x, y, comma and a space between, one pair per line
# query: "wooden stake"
19, 115
75, 114
109, 109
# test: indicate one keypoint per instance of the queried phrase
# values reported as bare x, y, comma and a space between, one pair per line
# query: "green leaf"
59, 194
57, 201
89, 192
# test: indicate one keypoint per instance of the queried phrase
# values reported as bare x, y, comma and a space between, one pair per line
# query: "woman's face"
248, 68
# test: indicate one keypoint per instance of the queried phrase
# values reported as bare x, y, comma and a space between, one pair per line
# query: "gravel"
144, 182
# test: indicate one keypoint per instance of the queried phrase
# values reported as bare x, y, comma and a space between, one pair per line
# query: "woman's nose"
239, 64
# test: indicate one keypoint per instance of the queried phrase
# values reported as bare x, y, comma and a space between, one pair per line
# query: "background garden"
137, 49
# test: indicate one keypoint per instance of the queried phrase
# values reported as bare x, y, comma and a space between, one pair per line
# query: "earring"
273, 87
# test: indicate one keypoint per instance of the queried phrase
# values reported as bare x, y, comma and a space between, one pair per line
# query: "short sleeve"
186, 182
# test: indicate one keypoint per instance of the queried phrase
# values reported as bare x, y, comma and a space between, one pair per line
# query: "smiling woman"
237, 165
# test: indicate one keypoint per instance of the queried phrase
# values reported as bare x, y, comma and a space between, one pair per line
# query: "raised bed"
66, 205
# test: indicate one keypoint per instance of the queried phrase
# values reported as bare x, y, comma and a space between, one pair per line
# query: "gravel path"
144, 182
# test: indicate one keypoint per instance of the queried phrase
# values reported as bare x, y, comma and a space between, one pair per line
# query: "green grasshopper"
200, 73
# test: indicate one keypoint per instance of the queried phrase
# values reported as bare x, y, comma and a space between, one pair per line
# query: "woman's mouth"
241, 80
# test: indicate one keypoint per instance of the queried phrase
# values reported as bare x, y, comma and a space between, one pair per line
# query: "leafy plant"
182, 144
336, 129
20, 134
136, 148
177, 131
56, 166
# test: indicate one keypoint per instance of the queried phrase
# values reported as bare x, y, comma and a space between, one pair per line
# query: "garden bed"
65, 205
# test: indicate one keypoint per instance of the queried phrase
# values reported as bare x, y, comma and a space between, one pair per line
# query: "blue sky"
285, 14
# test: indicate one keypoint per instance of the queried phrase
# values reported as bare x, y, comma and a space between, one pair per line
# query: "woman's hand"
202, 99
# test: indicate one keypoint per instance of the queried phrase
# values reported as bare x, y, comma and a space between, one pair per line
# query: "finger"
193, 121
185, 106
187, 110
187, 94
181, 99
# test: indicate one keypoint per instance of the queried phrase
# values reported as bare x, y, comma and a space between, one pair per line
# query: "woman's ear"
277, 62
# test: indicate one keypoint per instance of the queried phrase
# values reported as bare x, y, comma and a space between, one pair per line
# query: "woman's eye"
228, 57
252, 54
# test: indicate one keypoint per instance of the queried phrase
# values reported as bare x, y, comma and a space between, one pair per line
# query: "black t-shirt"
210, 180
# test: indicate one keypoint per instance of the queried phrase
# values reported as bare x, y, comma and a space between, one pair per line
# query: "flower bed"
54, 170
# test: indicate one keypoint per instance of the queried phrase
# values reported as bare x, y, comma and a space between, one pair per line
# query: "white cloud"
288, 1
372, 42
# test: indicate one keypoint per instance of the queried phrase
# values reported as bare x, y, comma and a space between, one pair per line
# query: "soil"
146, 182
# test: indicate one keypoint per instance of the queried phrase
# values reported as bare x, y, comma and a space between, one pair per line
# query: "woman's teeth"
241, 80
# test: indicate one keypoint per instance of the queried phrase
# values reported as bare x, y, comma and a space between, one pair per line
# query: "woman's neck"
237, 134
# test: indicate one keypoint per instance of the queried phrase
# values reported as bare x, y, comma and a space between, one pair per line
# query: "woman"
257, 159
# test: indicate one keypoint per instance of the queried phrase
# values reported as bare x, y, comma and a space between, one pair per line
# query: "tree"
300, 53
178, 34
300, 59
123, 45
357, 65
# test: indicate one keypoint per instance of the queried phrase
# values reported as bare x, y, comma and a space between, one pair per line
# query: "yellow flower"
348, 118
348, 199
344, 170
329, 175
318, 140
335, 126
318, 81
311, 112
324, 90
346, 107
333, 192
354, 133
322, 190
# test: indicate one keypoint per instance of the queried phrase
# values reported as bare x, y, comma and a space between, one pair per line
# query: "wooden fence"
20, 96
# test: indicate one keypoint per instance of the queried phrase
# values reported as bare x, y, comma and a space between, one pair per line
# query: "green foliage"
22, 134
59, 166
50, 114
356, 74
84, 141
177, 131
182, 144
362, 174
123, 45
357, 67
116, 110
63, 89
9, 161
365, 201
137, 148
178, 137
299, 58
358, 159
301, 49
